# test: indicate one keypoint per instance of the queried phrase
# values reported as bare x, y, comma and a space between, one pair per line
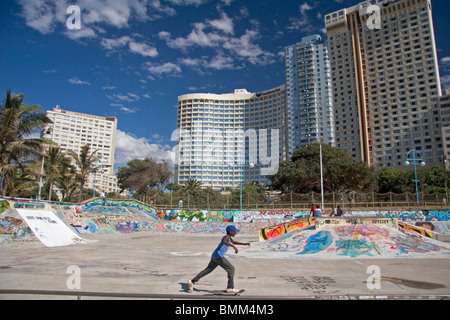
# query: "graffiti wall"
127, 225
13, 228
281, 229
118, 203
403, 215
439, 230
4, 205
348, 241
280, 216
361, 220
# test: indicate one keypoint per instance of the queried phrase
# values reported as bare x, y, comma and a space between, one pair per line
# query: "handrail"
80, 294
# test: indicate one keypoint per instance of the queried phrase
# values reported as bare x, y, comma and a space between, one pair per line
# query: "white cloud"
75, 80
129, 147
303, 22
134, 46
168, 68
109, 87
188, 2
218, 35
48, 16
143, 49
445, 82
224, 24
127, 97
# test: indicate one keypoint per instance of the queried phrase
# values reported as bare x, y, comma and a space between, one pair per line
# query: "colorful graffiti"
317, 242
195, 215
403, 215
119, 203
14, 228
279, 215
281, 229
348, 241
425, 232
4, 205
29, 205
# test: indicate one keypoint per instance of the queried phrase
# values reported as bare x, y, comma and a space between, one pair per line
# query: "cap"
232, 228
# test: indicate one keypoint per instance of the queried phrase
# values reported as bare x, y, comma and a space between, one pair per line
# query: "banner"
49, 229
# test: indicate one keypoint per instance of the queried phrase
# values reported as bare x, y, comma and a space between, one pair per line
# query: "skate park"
127, 249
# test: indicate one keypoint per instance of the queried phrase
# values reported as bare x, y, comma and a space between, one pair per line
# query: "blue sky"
132, 58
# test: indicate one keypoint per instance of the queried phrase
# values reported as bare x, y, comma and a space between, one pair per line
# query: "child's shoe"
191, 285
232, 291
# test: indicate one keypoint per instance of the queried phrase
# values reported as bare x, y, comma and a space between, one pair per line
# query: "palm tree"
192, 186
55, 163
67, 182
17, 122
86, 165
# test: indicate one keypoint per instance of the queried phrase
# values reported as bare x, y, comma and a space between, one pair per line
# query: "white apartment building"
223, 139
73, 130
309, 95
386, 83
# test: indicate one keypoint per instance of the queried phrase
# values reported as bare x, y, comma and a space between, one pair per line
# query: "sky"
131, 59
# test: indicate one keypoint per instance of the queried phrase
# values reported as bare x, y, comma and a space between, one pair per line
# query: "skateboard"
220, 292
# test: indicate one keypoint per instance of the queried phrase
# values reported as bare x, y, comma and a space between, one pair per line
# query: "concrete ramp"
338, 241
273, 232
439, 230
48, 228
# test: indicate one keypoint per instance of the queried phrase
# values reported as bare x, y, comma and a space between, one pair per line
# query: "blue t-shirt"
221, 250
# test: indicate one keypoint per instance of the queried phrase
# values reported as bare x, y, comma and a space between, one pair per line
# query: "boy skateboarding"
218, 259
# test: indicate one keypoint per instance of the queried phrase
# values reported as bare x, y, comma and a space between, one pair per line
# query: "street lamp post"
321, 175
415, 159
444, 161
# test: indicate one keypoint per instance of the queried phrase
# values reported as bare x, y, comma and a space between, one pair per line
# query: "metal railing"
151, 296
110, 295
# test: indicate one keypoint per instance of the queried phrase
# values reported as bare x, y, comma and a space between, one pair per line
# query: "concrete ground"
162, 263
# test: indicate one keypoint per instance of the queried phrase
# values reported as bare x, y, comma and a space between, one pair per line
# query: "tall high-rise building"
308, 94
73, 130
444, 105
386, 83
223, 139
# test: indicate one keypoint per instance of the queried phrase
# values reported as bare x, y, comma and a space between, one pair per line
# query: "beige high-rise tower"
72, 130
386, 83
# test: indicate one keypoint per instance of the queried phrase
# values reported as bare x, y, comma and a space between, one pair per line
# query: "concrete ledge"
369, 220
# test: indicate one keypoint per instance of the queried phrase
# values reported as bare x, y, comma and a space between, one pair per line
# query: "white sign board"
49, 228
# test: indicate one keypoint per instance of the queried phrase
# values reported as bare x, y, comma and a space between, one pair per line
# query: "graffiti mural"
14, 228
278, 230
119, 203
317, 242
4, 205
348, 241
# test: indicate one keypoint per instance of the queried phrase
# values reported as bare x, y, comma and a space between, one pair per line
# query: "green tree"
340, 172
67, 183
432, 180
85, 164
394, 180
253, 192
17, 122
144, 177
56, 164
192, 186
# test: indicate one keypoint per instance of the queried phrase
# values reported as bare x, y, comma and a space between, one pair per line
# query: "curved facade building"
223, 139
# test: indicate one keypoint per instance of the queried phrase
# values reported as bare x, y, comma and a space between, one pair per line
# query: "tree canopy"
340, 172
